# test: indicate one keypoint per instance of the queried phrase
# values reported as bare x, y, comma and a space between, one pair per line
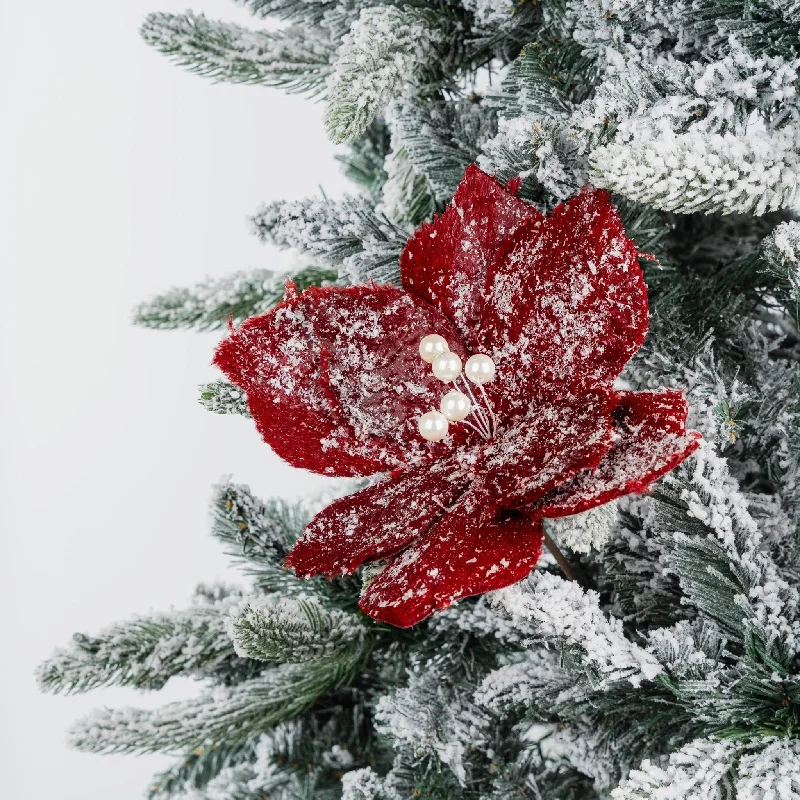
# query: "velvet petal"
473, 549
334, 379
549, 445
446, 261
378, 521
566, 305
650, 440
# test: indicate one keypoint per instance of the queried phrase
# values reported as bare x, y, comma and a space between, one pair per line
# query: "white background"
121, 175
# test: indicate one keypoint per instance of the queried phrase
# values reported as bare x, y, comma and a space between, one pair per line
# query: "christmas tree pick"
483, 389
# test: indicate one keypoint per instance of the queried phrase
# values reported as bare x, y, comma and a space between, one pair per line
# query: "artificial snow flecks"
379, 59
713, 134
703, 171
585, 748
616, 32
479, 619
687, 650
365, 784
538, 148
716, 137
561, 613
348, 234
768, 603
294, 58
296, 629
145, 652
430, 717
786, 241
222, 397
584, 532
454, 518
700, 770
490, 13
533, 681
719, 143
771, 772
762, 768
781, 251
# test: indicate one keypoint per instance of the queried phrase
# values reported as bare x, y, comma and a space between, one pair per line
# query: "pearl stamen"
447, 366
479, 369
480, 414
433, 426
455, 406
431, 345
488, 408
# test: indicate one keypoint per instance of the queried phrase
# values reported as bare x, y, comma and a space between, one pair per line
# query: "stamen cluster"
456, 406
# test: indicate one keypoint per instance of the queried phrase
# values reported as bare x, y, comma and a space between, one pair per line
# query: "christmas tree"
529, 177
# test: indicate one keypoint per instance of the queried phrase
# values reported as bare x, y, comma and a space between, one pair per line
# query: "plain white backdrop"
121, 176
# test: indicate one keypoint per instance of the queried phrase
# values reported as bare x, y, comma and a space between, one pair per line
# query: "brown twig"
571, 573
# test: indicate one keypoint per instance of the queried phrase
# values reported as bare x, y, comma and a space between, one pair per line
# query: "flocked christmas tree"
653, 650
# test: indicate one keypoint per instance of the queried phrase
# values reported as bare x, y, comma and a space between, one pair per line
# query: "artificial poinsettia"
335, 383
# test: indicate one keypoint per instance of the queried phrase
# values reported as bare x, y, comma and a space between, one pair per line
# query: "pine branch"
222, 397
214, 302
348, 234
293, 629
432, 145
724, 573
364, 162
385, 54
560, 612
198, 768
310, 12
227, 716
258, 534
147, 651
294, 59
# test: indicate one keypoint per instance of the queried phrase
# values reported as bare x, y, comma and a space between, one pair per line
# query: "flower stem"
571, 573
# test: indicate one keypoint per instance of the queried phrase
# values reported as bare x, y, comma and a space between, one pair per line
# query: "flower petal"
378, 521
553, 442
334, 378
566, 305
651, 439
446, 261
473, 549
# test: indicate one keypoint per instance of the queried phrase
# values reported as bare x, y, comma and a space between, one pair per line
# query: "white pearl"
447, 367
431, 345
433, 426
479, 369
455, 406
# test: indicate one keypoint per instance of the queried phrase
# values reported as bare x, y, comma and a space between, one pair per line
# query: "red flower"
336, 384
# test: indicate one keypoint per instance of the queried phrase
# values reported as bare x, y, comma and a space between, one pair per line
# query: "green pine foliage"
227, 52
214, 303
222, 397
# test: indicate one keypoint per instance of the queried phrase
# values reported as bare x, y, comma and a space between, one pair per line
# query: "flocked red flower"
336, 385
